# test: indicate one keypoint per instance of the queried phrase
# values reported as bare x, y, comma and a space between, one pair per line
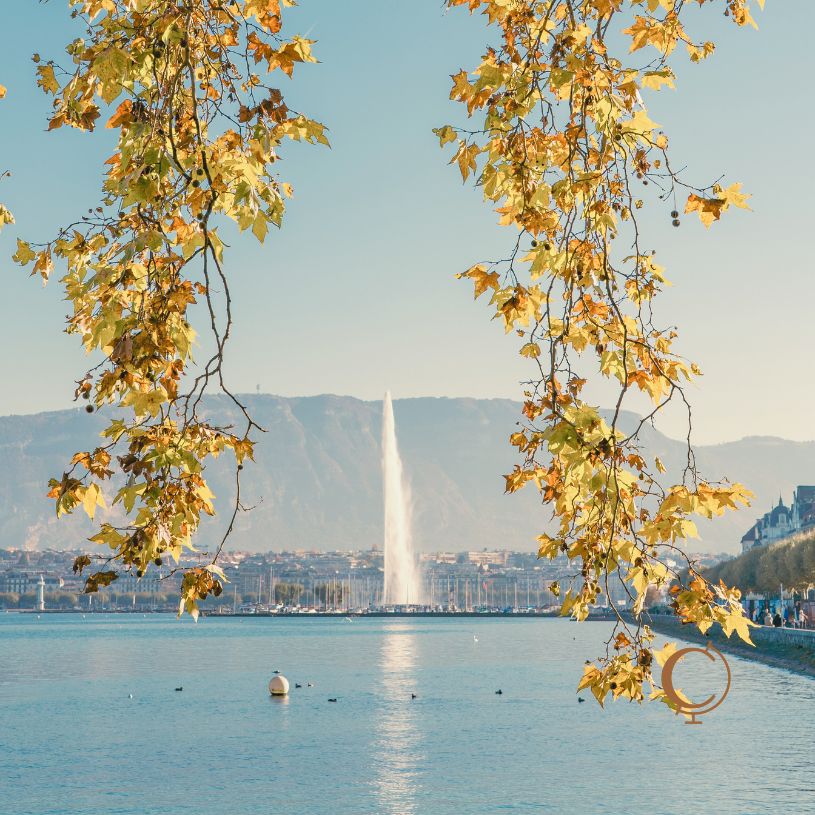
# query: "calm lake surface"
72, 742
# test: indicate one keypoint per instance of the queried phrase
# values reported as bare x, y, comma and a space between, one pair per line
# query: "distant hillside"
316, 482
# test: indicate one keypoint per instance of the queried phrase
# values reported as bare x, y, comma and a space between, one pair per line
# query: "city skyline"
355, 579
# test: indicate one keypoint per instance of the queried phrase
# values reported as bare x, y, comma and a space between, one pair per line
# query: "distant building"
803, 507
484, 558
130, 583
782, 521
27, 582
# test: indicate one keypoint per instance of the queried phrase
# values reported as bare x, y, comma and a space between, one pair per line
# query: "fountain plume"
402, 579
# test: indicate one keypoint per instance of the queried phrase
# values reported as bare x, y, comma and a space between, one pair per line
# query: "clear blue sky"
357, 293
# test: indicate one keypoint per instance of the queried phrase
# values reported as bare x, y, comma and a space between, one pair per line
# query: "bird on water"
332, 700
499, 692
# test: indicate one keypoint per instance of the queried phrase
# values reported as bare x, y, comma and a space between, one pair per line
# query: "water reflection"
398, 742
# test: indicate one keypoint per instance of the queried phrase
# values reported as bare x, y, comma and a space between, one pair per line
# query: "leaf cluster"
560, 143
186, 88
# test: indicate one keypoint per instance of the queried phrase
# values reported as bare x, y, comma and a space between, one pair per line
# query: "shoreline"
771, 647
307, 615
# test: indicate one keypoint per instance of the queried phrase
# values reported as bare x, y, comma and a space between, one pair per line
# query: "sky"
357, 293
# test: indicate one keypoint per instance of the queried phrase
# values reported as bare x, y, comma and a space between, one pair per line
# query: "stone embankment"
790, 648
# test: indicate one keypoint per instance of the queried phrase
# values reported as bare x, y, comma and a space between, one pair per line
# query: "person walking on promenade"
777, 621
768, 618
803, 620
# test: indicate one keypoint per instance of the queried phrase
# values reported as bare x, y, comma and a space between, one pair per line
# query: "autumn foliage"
560, 143
558, 139
186, 88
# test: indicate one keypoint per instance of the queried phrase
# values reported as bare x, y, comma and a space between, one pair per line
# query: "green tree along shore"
763, 569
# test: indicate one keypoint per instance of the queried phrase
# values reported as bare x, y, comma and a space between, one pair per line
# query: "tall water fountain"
403, 584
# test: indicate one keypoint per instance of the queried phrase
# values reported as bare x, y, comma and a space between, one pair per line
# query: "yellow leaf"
656, 79
446, 134
709, 209
259, 227
482, 280
640, 123
46, 79
205, 494
736, 621
91, 498
24, 254
129, 494
734, 196
662, 655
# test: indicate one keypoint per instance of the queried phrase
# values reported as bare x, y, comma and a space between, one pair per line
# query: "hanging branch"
198, 135
566, 153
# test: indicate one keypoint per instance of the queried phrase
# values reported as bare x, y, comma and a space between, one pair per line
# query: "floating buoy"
279, 685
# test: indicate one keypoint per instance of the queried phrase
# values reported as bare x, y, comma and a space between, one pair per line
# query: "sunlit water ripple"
71, 741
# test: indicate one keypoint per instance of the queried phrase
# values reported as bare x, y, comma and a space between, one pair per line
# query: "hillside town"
783, 521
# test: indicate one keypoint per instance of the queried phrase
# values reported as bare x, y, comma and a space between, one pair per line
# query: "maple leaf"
24, 254
46, 79
733, 196
709, 209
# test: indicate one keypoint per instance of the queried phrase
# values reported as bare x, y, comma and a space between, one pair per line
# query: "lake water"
73, 743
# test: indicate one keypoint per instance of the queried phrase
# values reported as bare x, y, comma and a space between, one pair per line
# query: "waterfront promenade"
792, 649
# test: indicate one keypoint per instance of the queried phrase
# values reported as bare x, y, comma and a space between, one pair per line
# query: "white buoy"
279, 685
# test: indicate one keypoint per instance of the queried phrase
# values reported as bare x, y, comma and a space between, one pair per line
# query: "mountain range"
316, 480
